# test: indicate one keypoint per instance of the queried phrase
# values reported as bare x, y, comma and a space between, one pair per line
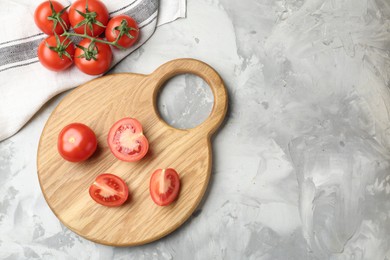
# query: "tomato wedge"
164, 186
109, 190
127, 141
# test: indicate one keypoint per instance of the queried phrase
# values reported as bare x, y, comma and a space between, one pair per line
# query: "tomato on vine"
56, 53
89, 17
93, 57
123, 30
51, 17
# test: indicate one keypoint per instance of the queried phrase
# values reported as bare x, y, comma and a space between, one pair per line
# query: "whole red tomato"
95, 16
56, 53
125, 27
76, 142
51, 18
93, 59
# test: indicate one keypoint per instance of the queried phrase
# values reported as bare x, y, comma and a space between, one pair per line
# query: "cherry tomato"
109, 190
125, 24
127, 141
76, 142
93, 61
164, 186
50, 22
96, 16
60, 56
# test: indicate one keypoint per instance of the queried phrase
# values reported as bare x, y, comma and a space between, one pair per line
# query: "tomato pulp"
109, 190
127, 141
164, 186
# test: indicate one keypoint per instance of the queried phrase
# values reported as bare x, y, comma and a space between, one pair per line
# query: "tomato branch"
67, 34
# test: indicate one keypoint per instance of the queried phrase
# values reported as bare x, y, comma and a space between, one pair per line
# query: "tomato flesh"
109, 190
127, 141
76, 142
164, 186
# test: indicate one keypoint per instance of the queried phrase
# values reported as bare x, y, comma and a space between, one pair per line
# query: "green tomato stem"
115, 43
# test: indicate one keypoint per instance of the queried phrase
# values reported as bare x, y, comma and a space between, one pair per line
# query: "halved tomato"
109, 190
127, 141
164, 186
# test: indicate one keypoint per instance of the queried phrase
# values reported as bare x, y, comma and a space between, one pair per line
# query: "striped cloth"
25, 85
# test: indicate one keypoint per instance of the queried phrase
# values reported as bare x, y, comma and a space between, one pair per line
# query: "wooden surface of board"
99, 104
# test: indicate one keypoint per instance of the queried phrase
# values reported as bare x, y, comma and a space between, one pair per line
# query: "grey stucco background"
301, 166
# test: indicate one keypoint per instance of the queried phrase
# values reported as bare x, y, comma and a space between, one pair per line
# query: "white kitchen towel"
25, 85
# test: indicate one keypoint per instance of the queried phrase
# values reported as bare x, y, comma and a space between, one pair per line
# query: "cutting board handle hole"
207, 125
185, 101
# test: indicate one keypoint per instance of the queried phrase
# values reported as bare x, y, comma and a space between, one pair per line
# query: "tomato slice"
109, 190
127, 141
164, 186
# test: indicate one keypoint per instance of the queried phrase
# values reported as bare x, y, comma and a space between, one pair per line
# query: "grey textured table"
301, 166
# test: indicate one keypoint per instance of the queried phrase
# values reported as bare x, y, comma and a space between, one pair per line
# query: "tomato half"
96, 17
59, 58
76, 142
127, 141
89, 65
109, 190
164, 186
127, 25
45, 19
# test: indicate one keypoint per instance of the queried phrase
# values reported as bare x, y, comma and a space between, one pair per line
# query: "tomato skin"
164, 186
128, 129
76, 142
109, 190
50, 59
93, 6
93, 67
43, 11
111, 34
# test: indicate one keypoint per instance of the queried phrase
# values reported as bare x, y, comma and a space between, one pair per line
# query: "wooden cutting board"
99, 104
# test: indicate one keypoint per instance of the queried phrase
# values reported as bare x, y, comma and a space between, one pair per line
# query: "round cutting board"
99, 104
